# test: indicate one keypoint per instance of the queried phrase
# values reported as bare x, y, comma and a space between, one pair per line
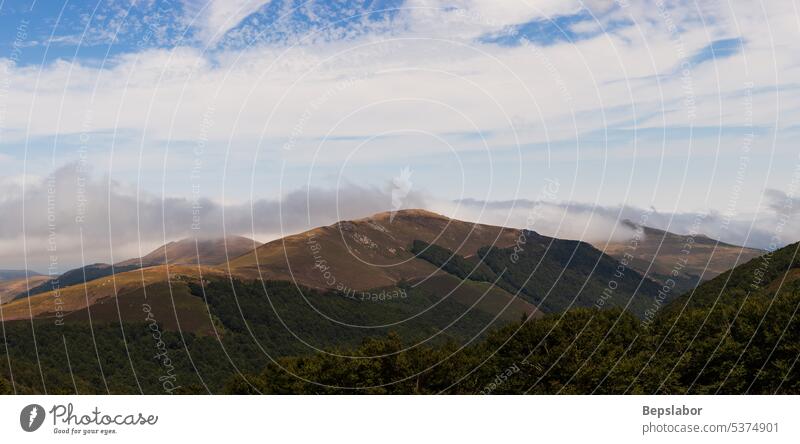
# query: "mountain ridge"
185, 251
682, 261
358, 256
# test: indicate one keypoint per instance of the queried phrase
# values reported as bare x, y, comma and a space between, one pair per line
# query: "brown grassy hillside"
367, 253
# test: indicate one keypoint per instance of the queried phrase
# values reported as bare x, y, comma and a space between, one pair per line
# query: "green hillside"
553, 274
746, 342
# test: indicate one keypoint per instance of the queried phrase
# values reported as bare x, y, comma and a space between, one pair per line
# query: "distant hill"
768, 275
11, 288
687, 260
183, 252
16, 274
195, 251
16, 282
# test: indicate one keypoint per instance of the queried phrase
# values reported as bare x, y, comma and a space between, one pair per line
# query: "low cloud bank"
773, 227
71, 218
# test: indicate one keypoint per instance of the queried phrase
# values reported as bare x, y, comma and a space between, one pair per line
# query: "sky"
125, 124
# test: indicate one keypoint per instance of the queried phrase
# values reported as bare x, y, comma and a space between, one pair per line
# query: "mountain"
415, 245
6, 275
501, 272
367, 253
195, 251
367, 259
687, 260
11, 288
16, 282
554, 274
528, 303
442, 291
182, 252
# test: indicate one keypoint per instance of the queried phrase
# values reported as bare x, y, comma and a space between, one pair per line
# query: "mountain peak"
408, 213
370, 252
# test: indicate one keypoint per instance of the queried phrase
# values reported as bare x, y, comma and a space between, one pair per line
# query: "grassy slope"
366, 253
78, 297
694, 259
13, 287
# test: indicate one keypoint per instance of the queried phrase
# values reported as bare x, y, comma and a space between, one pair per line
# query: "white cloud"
214, 18
598, 224
428, 77
473, 18
118, 221
78, 218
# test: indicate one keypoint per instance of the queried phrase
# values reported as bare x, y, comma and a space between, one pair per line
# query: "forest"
735, 334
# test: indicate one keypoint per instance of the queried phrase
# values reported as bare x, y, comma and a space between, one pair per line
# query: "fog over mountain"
72, 218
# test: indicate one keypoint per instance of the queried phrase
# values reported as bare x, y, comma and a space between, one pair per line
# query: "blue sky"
558, 29
90, 31
627, 104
